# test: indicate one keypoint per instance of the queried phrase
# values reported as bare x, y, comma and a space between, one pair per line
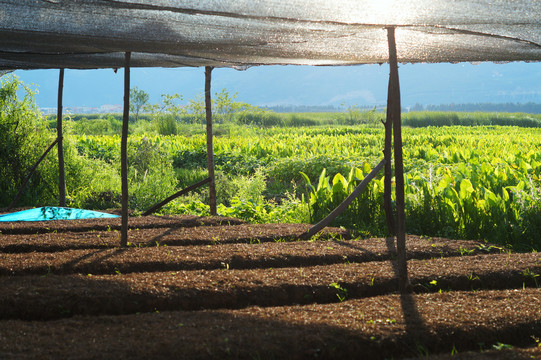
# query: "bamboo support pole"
124, 153
344, 205
394, 110
210, 146
60, 135
176, 195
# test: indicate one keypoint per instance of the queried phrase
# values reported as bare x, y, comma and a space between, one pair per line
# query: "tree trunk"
124, 153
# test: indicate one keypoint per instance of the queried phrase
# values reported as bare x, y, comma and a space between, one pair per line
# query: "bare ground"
205, 288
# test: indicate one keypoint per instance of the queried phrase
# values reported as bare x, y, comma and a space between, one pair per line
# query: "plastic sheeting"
167, 33
54, 213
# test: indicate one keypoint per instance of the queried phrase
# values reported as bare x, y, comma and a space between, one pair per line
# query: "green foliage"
341, 292
196, 107
224, 106
166, 124
365, 213
102, 126
356, 116
23, 139
475, 201
187, 177
91, 183
265, 212
287, 169
138, 101
151, 175
479, 182
259, 118
193, 207
171, 105
444, 118
295, 120
246, 187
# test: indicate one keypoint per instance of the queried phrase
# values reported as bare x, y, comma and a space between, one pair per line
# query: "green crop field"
468, 175
462, 182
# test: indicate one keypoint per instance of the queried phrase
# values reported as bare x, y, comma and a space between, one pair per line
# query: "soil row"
112, 224
231, 256
54, 296
390, 326
160, 236
205, 288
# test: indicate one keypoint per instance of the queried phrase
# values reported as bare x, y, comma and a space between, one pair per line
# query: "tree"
138, 100
196, 106
172, 105
22, 136
225, 105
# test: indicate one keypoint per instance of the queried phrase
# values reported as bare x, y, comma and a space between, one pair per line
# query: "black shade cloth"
238, 33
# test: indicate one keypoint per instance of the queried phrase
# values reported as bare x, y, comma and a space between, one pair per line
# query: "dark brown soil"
192, 288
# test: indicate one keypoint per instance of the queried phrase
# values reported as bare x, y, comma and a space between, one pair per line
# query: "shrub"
247, 188
102, 126
166, 124
23, 138
91, 183
294, 120
259, 118
151, 175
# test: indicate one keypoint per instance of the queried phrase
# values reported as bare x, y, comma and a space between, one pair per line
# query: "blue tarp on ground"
54, 213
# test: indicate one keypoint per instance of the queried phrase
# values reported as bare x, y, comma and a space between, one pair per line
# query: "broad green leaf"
445, 181
466, 188
340, 180
366, 168
323, 180
524, 165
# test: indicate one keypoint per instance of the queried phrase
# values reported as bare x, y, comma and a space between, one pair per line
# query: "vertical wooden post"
60, 136
210, 146
394, 112
387, 155
124, 152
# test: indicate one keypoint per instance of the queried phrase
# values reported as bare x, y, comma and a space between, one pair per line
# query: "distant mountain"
363, 85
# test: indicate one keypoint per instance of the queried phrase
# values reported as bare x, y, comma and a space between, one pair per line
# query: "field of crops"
462, 182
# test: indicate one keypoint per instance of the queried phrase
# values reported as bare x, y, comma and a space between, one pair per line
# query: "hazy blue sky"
304, 85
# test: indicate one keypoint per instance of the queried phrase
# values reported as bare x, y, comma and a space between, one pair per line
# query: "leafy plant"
23, 139
531, 275
138, 100
342, 293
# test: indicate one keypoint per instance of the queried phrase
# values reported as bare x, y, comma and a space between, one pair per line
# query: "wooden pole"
393, 110
60, 135
210, 146
387, 181
176, 195
124, 153
344, 205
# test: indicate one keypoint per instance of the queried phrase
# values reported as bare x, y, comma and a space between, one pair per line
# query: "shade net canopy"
166, 33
